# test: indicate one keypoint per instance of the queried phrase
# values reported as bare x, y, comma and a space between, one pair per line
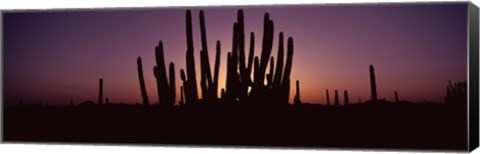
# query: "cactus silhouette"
171, 86
396, 97
288, 68
243, 66
250, 57
346, 99
266, 45
100, 93
231, 79
270, 73
336, 98
297, 95
328, 98
161, 74
373, 84
190, 85
185, 86
206, 81
182, 102
142, 82
258, 86
278, 72
166, 89
274, 85
216, 70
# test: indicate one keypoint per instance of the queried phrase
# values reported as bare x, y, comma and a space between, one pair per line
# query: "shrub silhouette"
456, 93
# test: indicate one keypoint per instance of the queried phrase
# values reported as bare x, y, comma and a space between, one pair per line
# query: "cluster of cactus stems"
239, 70
346, 100
239, 67
165, 86
275, 91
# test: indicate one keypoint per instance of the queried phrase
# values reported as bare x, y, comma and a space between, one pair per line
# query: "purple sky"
58, 56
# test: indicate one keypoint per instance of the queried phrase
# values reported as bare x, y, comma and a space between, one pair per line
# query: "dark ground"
382, 125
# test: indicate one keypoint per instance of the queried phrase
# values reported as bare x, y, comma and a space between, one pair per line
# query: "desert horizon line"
307, 96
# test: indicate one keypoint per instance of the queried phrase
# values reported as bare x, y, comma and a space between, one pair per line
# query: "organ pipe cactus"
190, 86
142, 82
165, 89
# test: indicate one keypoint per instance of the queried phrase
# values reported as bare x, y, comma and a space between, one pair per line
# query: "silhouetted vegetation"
190, 83
253, 108
345, 94
456, 93
296, 100
336, 98
373, 84
328, 98
142, 82
396, 97
166, 89
100, 93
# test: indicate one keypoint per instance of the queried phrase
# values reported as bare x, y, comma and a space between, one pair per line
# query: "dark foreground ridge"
368, 125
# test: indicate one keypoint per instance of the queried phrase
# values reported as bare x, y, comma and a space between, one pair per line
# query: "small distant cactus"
328, 98
336, 98
346, 97
396, 97
373, 84
100, 93
297, 95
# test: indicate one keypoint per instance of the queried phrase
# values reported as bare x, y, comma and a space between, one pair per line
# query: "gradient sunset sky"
58, 56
